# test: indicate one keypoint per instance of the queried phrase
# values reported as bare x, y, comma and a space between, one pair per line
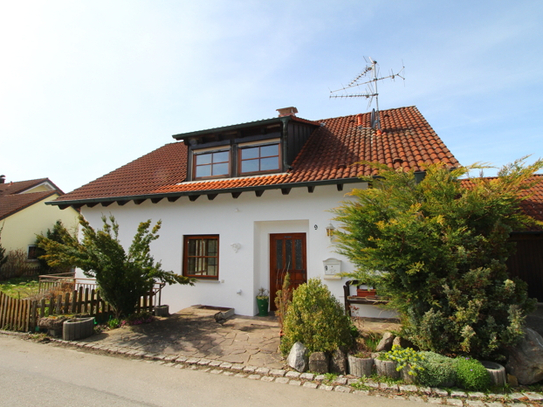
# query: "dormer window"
212, 164
259, 158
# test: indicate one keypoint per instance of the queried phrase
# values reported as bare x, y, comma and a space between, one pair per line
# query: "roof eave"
175, 195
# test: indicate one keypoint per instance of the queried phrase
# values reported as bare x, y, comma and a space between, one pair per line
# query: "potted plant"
263, 302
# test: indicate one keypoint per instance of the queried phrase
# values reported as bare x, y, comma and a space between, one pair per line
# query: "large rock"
338, 362
386, 343
526, 359
298, 357
319, 362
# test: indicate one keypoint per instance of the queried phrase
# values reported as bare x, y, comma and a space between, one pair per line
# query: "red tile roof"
329, 156
12, 199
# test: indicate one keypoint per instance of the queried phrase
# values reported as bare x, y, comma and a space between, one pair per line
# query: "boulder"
319, 362
526, 358
386, 343
338, 362
298, 357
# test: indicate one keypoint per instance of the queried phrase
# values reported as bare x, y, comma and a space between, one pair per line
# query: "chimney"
359, 120
287, 111
2, 179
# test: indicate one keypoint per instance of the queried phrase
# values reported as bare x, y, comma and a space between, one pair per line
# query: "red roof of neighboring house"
330, 155
12, 198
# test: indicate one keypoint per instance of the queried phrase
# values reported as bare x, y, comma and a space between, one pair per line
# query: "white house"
242, 205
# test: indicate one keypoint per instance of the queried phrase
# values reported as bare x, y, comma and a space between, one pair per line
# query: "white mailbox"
332, 267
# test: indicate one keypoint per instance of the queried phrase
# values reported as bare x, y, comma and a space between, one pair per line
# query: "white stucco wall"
247, 221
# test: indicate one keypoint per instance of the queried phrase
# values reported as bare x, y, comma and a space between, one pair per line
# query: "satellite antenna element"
371, 89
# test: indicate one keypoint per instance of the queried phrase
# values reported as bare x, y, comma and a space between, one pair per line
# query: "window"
262, 158
201, 256
211, 164
32, 252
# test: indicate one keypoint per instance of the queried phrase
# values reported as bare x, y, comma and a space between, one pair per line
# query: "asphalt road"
33, 374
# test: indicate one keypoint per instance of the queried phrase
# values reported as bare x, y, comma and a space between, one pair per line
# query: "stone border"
341, 384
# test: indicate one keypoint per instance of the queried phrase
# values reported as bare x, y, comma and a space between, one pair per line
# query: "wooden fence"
24, 315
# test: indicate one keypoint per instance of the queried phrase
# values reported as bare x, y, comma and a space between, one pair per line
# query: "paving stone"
454, 402
320, 377
237, 366
307, 376
476, 395
216, 371
325, 387
434, 400
254, 377
228, 373
372, 384
292, 375
475, 403
310, 385
264, 371
267, 379
342, 389
517, 405
283, 380
192, 361
277, 372
295, 382
534, 396
408, 387
387, 386
242, 375
203, 362
171, 358
341, 381
215, 363
353, 381
494, 404
362, 392
516, 396
439, 392
457, 393
181, 359
249, 369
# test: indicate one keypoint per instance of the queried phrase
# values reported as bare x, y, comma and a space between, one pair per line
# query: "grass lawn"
21, 287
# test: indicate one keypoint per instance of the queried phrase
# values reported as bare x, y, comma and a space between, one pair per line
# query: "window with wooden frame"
212, 164
201, 256
259, 158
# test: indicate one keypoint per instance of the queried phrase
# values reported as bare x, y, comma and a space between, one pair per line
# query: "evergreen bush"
471, 374
438, 370
438, 250
316, 319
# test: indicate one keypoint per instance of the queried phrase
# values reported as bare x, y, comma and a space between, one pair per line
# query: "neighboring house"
527, 262
242, 205
23, 213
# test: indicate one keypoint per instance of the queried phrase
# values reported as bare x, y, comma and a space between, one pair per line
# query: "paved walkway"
194, 333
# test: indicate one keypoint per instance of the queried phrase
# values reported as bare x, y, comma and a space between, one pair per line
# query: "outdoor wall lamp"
330, 230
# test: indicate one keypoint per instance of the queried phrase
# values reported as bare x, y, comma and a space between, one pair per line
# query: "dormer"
256, 148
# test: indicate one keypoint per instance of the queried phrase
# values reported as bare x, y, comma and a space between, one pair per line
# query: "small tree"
438, 249
122, 277
57, 234
316, 319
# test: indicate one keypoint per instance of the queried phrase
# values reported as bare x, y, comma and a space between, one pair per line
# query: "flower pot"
262, 304
362, 292
496, 372
162, 311
77, 328
360, 367
386, 368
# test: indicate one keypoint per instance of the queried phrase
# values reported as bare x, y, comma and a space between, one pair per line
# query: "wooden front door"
287, 255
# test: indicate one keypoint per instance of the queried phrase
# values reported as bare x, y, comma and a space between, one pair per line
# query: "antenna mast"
371, 89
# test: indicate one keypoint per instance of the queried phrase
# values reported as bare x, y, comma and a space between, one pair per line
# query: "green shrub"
404, 358
316, 319
438, 370
471, 374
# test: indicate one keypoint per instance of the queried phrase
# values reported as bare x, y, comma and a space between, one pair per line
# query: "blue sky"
86, 87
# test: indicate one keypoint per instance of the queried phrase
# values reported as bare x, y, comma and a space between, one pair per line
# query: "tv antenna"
371, 88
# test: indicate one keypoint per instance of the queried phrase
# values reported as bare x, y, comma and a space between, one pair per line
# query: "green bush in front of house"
437, 370
471, 374
437, 249
316, 319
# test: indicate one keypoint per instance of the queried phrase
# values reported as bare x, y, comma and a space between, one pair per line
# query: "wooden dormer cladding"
289, 132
